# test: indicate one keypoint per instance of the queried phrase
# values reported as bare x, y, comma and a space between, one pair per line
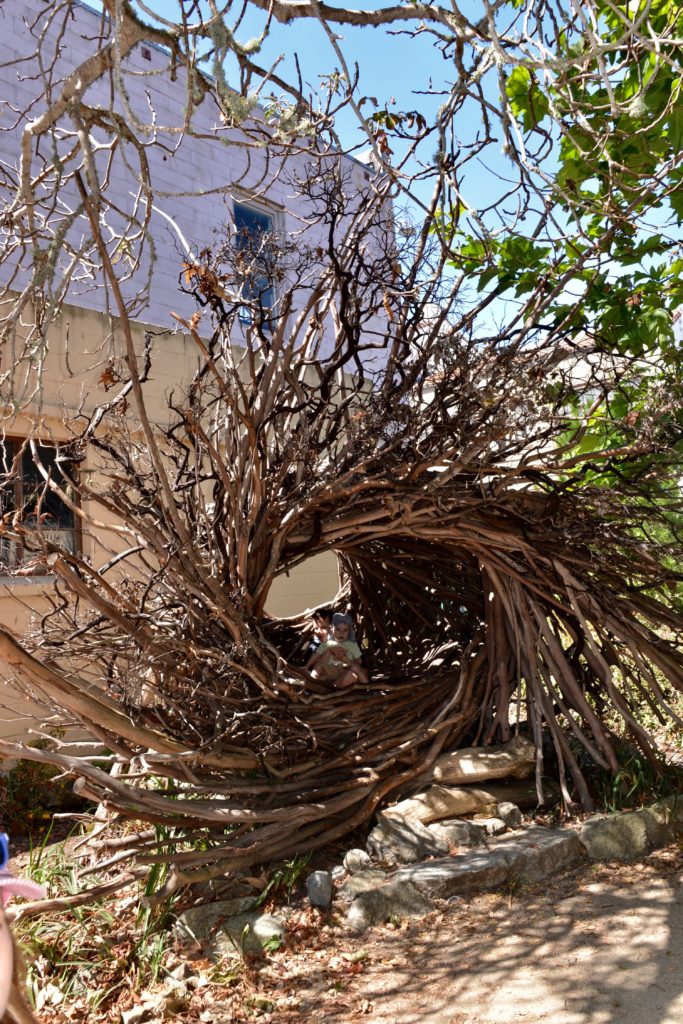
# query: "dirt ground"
601, 945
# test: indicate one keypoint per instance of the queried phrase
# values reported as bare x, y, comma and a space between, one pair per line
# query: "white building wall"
195, 180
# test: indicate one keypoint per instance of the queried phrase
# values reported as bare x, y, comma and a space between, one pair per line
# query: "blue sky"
397, 70
389, 66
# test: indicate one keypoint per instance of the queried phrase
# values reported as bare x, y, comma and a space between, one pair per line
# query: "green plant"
31, 792
272, 944
637, 782
284, 877
90, 953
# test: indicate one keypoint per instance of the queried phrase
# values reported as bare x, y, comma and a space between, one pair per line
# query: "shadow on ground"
600, 946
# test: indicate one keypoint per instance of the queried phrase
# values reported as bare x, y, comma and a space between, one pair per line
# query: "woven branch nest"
493, 589
475, 613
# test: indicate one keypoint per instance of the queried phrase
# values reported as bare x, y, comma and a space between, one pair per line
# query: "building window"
26, 499
254, 235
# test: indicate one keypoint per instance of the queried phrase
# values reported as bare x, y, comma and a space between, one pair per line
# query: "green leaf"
527, 101
674, 127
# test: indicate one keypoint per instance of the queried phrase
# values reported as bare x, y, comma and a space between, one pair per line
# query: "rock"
181, 972
338, 872
615, 837
540, 853
199, 922
460, 833
658, 825
492, 826
356, 860
537, 854
134, 1015
673, 807
173, 998
247, 933
510, 814
226, 932
663, 820
439, 879
319, 889
362, 882
395, 899
404, 842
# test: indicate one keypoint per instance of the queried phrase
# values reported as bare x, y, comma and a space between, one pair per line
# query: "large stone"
319, 889
492, 826
674, 806
538, 853
198, 923
624, 831
225, 932
356, 860
509, 813
394, 900
362, 882
404, 842
468, 872
459, 833
668, 812
658, 824
615, 837
246, 933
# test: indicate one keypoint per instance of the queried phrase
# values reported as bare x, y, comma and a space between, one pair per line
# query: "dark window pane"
40, 507
252, 225
37, 499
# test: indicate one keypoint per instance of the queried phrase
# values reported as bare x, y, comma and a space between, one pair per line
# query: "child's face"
321, 624
341, 631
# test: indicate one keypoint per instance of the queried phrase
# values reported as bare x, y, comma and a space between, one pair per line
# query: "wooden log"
470, 765
439, 802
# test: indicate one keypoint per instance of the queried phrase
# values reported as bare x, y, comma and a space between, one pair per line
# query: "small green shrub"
284, 877
637, 782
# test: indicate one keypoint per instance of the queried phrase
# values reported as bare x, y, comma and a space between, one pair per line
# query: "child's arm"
312, 661
340, 653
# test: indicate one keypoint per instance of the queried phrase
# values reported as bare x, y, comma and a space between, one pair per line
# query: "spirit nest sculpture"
500, 576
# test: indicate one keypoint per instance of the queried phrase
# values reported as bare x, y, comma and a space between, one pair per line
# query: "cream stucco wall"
81, 345
196, 179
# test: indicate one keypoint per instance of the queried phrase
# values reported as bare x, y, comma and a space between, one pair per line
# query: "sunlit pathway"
609, 953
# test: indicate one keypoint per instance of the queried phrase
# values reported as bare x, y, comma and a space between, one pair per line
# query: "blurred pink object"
10, 886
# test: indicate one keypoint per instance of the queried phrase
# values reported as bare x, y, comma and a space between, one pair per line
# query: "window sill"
37, 581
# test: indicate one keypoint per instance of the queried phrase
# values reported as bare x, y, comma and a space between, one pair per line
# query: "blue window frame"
253, 229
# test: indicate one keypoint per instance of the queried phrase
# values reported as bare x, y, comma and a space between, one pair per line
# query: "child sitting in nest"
322, 629
338, 660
